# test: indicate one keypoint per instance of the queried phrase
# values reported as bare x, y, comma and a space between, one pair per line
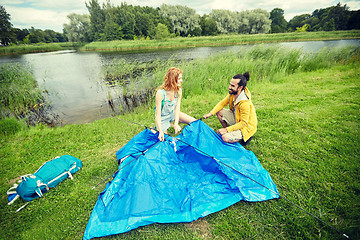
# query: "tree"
328, 19
161, 31
278, 22
36, 35
182, 19
21, 34
339, 15
298, 21
243, 22
112, 30
208, 26
226, 20
303, 28
124, 16
78, 30
97, 20
5, 27
259, 21
354, 20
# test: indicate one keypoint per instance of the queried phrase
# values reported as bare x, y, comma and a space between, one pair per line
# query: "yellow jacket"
245, 115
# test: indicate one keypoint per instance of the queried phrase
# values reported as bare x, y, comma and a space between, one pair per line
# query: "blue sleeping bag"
49, 175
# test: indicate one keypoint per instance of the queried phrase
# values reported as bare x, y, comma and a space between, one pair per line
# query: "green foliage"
222, 40
303, 28
333, 18
5, 27
39, 47
18, 90
182, 19
208, 26
11, 126
161, 32
47, 36
78, 30
245, 22
97, 20
278, 22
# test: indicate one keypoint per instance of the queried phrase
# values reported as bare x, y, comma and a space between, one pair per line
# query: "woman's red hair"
170, 80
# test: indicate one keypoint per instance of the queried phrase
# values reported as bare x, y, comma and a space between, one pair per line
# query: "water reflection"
74, 80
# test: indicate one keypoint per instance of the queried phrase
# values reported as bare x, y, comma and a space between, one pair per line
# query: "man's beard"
233, 92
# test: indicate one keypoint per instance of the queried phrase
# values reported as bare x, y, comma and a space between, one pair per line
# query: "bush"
11, 126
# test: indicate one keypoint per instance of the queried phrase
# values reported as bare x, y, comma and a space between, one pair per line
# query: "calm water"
76, 90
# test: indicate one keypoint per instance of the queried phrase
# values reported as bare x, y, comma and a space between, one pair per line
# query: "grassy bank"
222, 40
40, 47
19, 91
308, 139
181, 42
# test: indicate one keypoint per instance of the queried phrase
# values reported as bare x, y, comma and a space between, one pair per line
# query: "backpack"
49, 175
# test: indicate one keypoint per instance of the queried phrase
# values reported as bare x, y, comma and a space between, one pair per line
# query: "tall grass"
265, 63
221, 40
19, 91
39, 47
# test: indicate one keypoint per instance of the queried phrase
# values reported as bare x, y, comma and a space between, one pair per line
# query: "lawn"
308, 140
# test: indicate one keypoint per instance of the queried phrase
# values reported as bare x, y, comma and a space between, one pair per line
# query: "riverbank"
222, 40
37, 48
307, 139
181, 42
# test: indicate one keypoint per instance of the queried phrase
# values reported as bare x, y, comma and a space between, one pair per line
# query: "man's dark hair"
244, 78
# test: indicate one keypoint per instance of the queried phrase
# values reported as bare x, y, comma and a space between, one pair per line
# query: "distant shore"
181, 42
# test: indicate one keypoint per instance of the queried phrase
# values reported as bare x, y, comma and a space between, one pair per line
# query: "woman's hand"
161, 135
177, 128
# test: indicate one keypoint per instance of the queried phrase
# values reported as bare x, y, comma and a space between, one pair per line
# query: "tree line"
333, 18
108, 22
10, 35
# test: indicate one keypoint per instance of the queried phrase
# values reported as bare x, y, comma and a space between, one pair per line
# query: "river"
74, 81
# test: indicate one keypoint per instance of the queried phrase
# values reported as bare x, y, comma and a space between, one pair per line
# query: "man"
240, 121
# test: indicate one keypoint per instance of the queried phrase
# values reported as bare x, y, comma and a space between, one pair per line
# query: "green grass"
19, 91
308, 140
39, 47
221, 40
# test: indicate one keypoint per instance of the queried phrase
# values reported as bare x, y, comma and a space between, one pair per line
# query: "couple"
239, 122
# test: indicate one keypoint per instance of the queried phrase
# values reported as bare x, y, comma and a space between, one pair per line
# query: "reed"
19, 92
265, 64
39, 47
221, 40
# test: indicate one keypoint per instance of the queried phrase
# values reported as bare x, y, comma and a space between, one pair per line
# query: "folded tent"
178, 180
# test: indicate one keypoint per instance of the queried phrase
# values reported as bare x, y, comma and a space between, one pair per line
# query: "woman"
167, 103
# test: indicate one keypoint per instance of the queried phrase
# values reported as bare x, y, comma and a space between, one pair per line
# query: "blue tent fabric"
178, 180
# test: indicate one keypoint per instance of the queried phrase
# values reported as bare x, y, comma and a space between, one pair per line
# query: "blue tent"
178, 180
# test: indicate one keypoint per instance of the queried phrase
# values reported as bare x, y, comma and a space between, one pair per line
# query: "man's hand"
222, 131
207, 116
